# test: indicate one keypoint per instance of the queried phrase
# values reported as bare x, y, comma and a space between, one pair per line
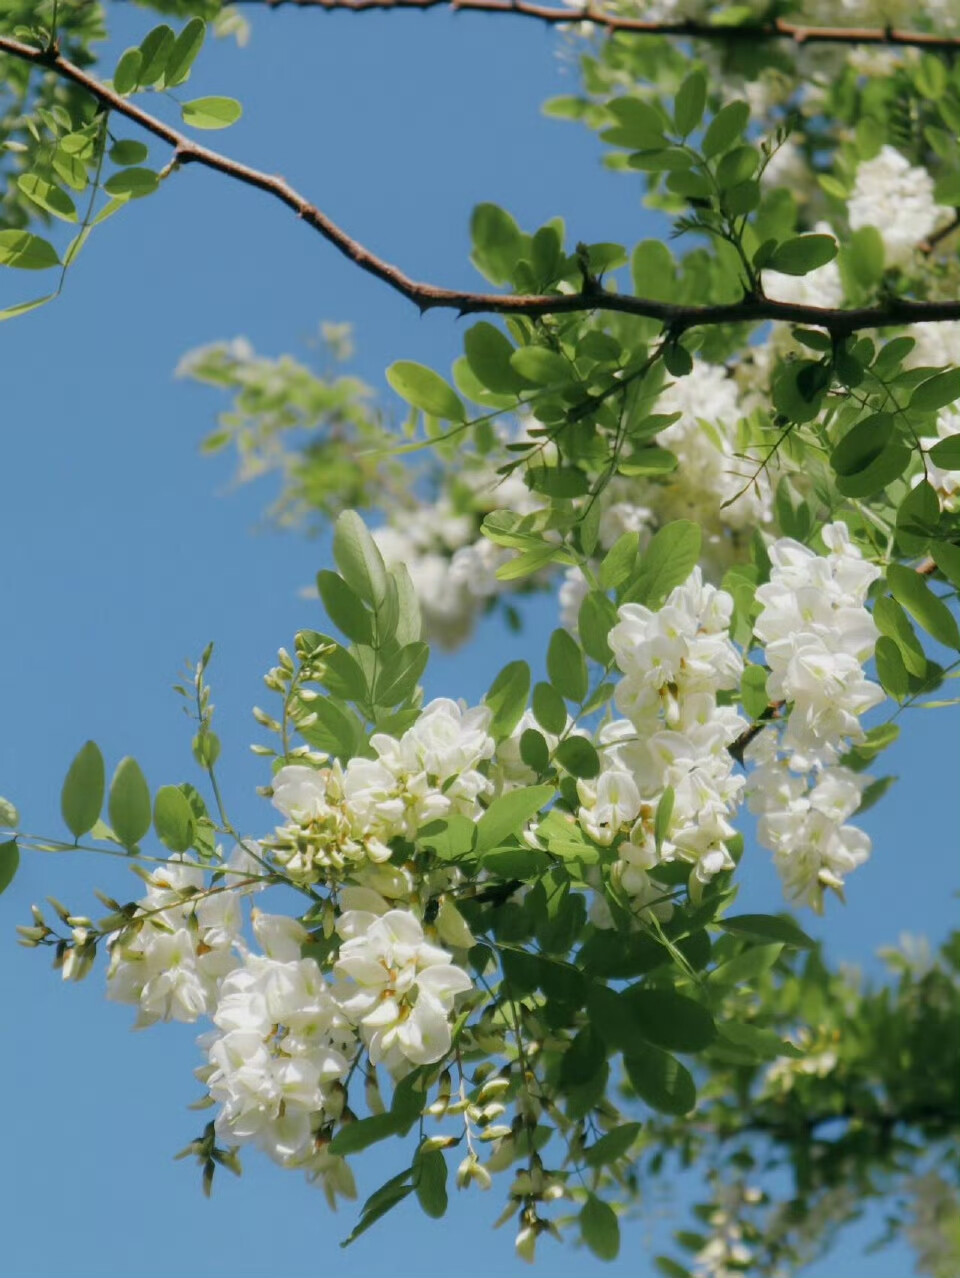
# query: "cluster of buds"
75, 953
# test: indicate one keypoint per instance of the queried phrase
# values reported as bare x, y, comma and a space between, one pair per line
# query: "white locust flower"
398, 990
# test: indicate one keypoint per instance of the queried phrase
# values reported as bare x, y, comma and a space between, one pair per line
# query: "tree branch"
777, 29
678, 318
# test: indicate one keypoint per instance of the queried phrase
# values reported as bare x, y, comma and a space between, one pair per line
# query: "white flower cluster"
674, 736
344, 817
817, 635
171, 960
896, 197
285, 1036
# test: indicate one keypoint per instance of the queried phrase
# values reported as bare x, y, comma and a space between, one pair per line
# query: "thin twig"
893, 313
799, 33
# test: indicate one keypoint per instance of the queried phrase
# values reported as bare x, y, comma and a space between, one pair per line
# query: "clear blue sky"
125, 555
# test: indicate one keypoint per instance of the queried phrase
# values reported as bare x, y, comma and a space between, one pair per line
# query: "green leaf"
689, 103
430, 1170
654, 272
129, 803
132, 183
398, 677
549, 708
9, 863
946, 453
668, 1019
541, 367
639, 124
659, 1079
725, 127
126, 76
618, 564
891, 671
497, 242
762, 1044
910, 589
507, 698
488, 353
753, 691
611, 1146
365, 1132
426, 390
173, 818
82, 795
534, 751
802, 254
893, 622
26, 252
155, 48
508, 814
126, 151
746, 967
863, 253
947, 559
582, 1059
597, 618
184, 52
936, 392
666, 563
767, 927
566, 666
359, 560
599, 1228
579, 757
863, 444
211, 113
344, 607
387, 1197
883, 470
48, 196
450, 839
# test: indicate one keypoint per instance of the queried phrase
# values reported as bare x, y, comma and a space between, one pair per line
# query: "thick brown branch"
676, 317
799, 33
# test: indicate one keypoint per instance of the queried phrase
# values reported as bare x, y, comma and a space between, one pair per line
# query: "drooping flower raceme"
674, 737
817, 635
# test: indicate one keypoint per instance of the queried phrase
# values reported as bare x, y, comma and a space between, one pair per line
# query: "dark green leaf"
936, 392
9, 863
615, 1144
767, 927
597, 617
155, 48
399, 675
430, 1171
659, 1079
579, 757
566, 666
803, 254
863, 444
599, 1228
365, 1132
689, 103
549, 708
668, 1019
725, 127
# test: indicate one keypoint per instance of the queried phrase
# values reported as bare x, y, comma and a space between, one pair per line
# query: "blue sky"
126, 552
